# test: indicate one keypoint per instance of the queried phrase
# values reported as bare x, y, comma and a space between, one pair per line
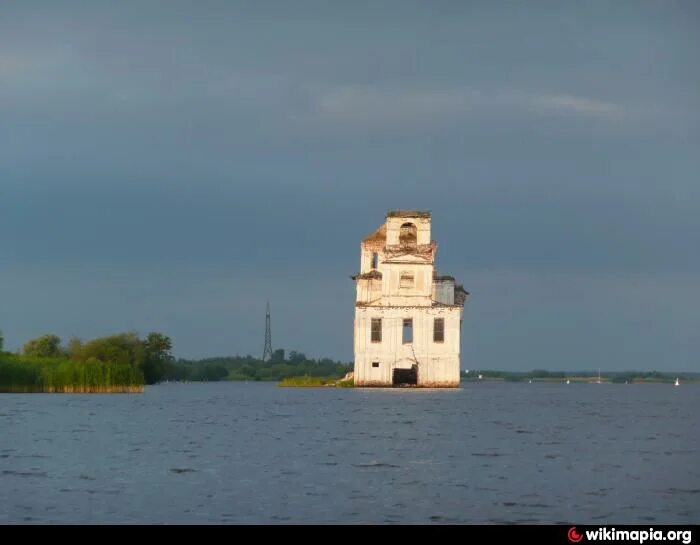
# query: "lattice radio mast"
267, 351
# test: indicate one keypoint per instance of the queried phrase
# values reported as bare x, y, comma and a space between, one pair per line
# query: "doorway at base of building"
405, 377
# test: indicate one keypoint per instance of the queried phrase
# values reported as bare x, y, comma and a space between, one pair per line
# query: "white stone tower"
407, 318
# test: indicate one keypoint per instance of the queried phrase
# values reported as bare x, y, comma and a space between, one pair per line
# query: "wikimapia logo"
637, 536
573, 535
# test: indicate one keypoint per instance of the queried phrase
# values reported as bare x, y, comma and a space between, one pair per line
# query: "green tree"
2, 340
46, 346
121, 348
278, 356
75, 349
296, 357
157, 357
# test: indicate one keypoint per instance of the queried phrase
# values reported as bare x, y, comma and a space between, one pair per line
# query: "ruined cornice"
434, 304
408, 214
418, 250
372, 275
460, 295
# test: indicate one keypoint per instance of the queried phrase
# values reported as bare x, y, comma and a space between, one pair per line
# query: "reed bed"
21, 374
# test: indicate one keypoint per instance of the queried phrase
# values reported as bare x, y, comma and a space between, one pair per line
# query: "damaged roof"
378, 235
408, 214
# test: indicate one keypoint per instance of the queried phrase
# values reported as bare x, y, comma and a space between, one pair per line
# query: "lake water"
257, 453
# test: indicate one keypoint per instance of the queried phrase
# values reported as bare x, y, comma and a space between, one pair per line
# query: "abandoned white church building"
407, 318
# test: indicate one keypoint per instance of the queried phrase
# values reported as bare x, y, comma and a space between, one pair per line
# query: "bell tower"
407, 318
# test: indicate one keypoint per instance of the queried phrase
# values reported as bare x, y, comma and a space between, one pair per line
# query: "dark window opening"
408, 234
407, 331
376, 330
375, 260
375, 364
405, 377
439, 330
406, 280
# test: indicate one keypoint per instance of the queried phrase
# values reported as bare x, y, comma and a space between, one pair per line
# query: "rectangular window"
375, 364
376, 330
406, 280
439, 330
407, 331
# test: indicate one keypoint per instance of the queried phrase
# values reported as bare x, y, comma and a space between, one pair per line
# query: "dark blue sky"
174, 165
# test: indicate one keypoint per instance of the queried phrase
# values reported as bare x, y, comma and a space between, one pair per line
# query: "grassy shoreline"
315, 382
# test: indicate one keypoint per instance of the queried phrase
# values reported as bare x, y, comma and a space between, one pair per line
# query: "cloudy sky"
174, 165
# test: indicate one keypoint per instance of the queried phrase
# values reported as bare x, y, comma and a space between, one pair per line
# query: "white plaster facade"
402, 306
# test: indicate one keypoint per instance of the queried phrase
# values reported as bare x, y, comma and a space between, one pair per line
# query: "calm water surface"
257, 453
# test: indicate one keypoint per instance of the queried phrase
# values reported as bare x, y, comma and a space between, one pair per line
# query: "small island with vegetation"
120, 363
315, 382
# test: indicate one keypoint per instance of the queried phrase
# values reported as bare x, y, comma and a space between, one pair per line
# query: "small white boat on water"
568, 382
677, 383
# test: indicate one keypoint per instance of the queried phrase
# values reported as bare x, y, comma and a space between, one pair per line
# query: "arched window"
375, 260
408, 234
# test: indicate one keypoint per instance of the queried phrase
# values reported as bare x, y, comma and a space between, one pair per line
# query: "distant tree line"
619, 377
254, 369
